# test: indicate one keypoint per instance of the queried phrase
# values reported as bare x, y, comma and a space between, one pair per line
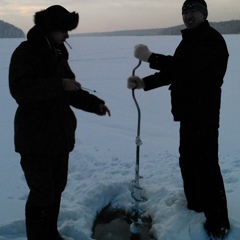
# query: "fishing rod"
83, 88
88, 89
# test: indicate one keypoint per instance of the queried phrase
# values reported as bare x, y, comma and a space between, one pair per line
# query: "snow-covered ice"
102, 166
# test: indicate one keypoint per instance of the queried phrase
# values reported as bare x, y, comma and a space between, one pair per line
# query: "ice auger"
136, 193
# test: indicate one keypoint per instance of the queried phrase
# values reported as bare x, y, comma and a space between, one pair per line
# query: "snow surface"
102, 166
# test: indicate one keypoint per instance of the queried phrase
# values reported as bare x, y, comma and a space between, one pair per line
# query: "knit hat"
56, 18
199, 5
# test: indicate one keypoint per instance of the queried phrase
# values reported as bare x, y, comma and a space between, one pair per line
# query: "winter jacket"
195, 74
44, 122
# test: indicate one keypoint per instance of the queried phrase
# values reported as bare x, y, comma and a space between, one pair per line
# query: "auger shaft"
136, 194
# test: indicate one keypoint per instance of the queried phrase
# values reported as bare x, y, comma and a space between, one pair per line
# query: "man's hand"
70, 84
142, 52
103, 110
135, 82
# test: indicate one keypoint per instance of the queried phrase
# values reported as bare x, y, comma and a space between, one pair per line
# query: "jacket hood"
39, 40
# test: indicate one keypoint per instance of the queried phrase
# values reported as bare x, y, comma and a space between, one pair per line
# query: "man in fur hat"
195, 74
44, 87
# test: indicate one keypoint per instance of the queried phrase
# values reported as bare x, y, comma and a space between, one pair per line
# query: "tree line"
227, 27
10, 31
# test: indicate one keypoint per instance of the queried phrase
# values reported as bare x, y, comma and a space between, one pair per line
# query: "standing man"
195, 74
44, 87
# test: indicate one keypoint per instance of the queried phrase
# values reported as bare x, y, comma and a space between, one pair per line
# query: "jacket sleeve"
26, 85
159, 79
206, 62
85, 101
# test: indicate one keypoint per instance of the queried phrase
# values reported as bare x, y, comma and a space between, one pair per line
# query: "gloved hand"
134, 82
70, 84
142, 52
103, 110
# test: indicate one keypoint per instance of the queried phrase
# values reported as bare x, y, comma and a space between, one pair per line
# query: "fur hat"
199, 5
56, 18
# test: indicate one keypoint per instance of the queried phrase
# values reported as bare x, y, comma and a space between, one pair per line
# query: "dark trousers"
46, 176
202, 178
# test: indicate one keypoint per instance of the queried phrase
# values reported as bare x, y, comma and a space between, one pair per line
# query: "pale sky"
115, 15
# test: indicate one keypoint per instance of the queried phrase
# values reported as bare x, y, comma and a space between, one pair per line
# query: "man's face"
59, 36
192, 18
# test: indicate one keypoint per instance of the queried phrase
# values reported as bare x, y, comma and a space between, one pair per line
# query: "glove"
70, 84
134, 82
142, 52
103, 110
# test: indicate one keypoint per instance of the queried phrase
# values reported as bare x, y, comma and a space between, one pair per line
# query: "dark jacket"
44, 121
195, 73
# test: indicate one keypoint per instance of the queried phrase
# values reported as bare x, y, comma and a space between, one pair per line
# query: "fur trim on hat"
56, 18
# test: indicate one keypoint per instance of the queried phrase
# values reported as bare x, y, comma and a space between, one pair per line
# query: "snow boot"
58, 237
216, 233
37, 223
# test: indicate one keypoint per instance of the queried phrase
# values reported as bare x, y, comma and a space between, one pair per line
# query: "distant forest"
10, 31
228, 27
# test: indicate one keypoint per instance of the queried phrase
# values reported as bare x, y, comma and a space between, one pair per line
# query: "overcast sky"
114, 15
